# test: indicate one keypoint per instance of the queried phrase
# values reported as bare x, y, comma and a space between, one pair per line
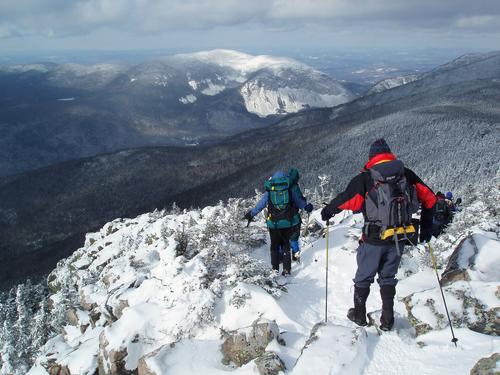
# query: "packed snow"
159, 289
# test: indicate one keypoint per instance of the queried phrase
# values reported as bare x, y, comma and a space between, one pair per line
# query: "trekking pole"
326, 278
454, 339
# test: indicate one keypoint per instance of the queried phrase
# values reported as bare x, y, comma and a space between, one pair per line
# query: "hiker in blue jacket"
282, 205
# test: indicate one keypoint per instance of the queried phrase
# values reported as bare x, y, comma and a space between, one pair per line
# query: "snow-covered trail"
392, 353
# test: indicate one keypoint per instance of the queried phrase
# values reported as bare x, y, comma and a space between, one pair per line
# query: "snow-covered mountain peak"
243, 62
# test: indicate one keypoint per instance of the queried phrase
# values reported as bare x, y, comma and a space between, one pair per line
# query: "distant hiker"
282, 216
441, 215
388, 194
451, 204
295, 188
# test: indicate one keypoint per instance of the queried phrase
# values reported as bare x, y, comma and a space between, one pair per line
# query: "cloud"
74, 17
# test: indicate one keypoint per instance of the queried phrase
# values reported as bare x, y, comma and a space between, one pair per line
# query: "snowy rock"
269, 364
56, 369
119, 307
111, 361
72, 317
151, 362
52, 283
487, 366
470, 285
85, 304
333, 349
476, 257
471, 304
246, 344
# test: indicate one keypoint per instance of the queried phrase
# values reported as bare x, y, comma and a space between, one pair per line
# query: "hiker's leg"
387, 281
368, 258
287, 260
275, 243
294, 238
389, 264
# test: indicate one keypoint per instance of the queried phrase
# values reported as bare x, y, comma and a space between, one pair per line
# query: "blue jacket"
297, 201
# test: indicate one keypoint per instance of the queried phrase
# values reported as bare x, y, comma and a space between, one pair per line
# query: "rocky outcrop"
487, 366
470, 285
153, 360
269, 363
247, 344
112, 361
54, 368
460, 261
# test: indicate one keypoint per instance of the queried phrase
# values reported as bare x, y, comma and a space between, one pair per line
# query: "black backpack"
392, 201
441, 210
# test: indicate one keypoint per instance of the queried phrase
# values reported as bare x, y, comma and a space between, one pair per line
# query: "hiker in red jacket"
388, 194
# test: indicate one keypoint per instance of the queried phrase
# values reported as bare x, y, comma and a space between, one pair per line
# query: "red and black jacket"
353, 198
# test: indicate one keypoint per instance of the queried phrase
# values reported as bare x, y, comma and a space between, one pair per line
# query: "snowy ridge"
389, 83
157, 291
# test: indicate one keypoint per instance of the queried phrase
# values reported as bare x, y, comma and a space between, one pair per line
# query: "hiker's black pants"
281, 237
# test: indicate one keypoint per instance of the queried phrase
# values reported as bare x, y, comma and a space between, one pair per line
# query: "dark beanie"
380, 146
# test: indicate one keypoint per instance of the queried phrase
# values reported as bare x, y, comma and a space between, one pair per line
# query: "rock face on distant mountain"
51, 113
389, 83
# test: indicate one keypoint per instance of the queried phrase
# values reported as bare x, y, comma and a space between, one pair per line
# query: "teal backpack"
279, 207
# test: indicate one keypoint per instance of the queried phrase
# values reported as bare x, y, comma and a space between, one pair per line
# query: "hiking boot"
356, 317
296, 256
357, 314
387, 292
285, 273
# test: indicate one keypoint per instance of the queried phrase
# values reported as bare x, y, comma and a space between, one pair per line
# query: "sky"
31, 25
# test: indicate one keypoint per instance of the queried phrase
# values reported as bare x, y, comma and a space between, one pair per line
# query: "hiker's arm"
261, 204
428, 199
351, 199
424, 193
298, 200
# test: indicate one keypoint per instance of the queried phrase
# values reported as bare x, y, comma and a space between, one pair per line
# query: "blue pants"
373, 259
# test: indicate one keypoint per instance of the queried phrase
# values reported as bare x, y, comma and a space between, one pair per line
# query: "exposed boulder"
487, 366
470, 285
54, 368
246, 344
144, 367
119, 307
460, 261
269, 363
88, 306
476, 258
112, 361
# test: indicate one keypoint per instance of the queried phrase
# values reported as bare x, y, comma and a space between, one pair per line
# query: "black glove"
308, 207
248, 216
326, 214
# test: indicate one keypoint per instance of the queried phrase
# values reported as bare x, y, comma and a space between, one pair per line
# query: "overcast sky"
27, 25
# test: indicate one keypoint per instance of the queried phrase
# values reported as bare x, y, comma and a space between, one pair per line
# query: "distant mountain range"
50, 113
444, 125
